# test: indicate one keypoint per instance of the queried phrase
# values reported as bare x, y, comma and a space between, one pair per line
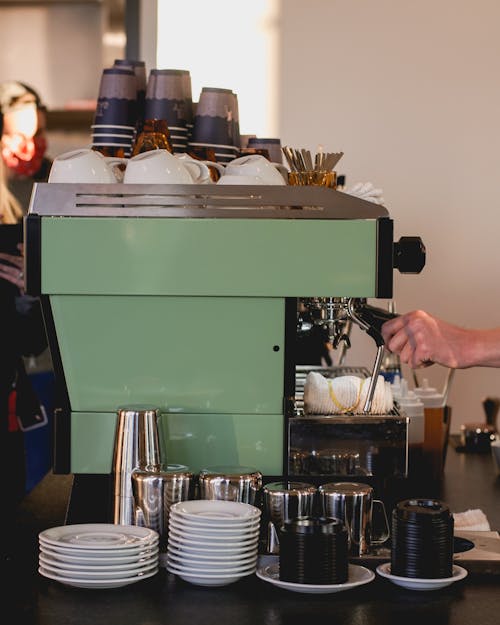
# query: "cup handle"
115, 160
282, 169
139, 517
384, 535
218, 166
201, 174
272, 543
114, 163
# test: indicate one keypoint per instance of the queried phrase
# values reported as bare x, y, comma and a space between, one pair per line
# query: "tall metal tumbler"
136, 446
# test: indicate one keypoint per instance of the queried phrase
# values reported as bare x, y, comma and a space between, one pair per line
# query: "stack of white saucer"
213, 542
98, 555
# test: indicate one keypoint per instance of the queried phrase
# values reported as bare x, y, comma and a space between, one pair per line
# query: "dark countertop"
470, 482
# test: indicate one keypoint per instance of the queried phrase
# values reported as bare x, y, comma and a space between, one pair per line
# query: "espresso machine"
186, 297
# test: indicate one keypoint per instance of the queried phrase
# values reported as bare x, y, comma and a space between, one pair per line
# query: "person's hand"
12, 268
421, 340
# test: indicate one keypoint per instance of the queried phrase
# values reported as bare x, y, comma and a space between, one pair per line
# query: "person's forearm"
483, 349
421, 339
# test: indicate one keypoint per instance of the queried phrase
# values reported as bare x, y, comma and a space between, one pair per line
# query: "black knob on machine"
409, 255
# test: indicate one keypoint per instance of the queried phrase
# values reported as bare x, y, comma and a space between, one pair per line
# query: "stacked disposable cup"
212, 542
116, 113
216, 126
168, 98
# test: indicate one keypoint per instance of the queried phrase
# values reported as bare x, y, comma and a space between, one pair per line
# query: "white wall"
411, 93
57, 49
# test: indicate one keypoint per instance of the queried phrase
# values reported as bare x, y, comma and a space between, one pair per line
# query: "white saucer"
221, 551
416, 583
207, 579
208, 541
245, 569
215, 523
175, 552
215, 534
98, 574
216, 510
358, 575
48, 561
101, 559
95, 583
136, 552
213, 530
93, 536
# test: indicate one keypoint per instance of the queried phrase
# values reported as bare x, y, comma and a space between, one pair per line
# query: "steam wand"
370, 319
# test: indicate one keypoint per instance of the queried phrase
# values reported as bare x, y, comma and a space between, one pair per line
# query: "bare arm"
11, 268
421, 339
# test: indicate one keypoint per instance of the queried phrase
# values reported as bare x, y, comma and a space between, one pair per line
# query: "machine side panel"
191, 439
183, 354
210, 257
385, 267
199, 441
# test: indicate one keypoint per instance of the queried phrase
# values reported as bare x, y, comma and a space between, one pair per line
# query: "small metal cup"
285, 501
154, 493
230, 483
353, 504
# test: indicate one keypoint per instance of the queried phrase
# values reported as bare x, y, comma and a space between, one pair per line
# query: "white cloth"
471, 521
366, 191
344, 394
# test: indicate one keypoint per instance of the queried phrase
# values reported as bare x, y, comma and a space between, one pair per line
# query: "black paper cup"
111, 139
313, 550
273, 146
222, 153
107, 128
117, 100
215, 118
168, 97
422, 539
139, 69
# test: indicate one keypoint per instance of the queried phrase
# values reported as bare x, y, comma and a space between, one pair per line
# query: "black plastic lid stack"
313, 550
422, 539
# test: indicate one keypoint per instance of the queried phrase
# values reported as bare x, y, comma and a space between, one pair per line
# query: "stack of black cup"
422, 539
313, 550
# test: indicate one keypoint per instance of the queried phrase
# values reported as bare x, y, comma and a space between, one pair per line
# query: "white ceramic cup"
84, 165
161, 167
258, 166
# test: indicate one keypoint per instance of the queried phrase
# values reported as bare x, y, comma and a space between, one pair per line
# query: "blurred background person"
23, 144
23, 140
23, 334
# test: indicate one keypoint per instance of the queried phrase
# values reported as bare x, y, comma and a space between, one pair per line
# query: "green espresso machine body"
185, 297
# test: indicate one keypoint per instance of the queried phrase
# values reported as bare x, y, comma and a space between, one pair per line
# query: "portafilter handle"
371, 319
